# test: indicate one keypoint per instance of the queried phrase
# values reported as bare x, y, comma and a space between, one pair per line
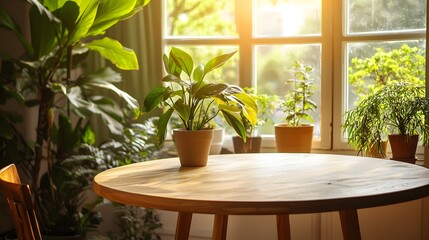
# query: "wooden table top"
266, 183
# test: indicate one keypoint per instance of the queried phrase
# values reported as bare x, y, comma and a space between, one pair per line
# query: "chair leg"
183, 227
220, 227
350, 225
283, 227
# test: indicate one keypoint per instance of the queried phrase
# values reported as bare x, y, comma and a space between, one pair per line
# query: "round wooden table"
265, 184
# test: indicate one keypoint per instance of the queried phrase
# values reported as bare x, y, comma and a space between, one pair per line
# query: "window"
271, 34
390, 36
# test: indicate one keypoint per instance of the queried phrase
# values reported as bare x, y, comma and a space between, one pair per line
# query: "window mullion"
245, 25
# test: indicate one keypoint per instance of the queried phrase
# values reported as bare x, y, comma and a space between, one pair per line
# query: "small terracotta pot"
404, 147
252, 144
374, 150
293, 139
193, 147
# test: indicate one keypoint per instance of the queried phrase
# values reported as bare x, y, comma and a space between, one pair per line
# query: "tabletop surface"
266, 183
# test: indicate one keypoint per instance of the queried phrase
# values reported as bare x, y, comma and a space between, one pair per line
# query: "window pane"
287, 17
273, 63
385, 15
373, 64
200, 18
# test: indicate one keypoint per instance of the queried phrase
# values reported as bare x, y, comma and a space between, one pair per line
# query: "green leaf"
182, 109
234, 120
109, 13
88, 11
113, 50
173, 78
211, 89
7, 22
198, 73
102, 79
153, 99
68, 14
182, 60
42, 10
162, 126
217, 62
250, 110
43, 34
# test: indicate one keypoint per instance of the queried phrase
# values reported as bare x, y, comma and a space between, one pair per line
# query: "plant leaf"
110, 12
182, 109
153, 99
198, 74
211, 89
234, 120
87, 13
113, 50
7, 22
162, 126
42, 34
182, 59
217, 62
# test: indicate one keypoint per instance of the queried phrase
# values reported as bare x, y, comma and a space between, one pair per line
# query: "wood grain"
269, 184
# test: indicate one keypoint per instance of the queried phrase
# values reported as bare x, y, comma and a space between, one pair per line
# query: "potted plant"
62, 34
192, 97
397, 110
365, 128
295, 135
267, 104
404, 108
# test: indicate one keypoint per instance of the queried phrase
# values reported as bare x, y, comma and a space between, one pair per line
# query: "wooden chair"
20, 202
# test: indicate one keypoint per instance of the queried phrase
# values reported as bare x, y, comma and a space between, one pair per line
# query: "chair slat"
20, 202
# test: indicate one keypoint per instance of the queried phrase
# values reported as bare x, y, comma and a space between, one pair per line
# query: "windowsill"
269, 145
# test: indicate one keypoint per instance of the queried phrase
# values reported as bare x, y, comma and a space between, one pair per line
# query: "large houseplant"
62, 33
193, 98
295, 135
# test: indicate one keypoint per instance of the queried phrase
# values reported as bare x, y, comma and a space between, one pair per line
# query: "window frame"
333, 38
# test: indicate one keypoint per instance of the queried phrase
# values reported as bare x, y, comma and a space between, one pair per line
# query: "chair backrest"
20, 202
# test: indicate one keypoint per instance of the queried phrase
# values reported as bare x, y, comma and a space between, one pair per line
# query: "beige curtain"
142, 33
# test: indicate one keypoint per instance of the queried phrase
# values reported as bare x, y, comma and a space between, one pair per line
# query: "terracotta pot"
293, 139
217, 141
374, 150
404, 147
252, 144
193, 147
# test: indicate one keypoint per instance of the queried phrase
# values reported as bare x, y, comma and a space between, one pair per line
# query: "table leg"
283, 227
183, 226
220, 227
350, 225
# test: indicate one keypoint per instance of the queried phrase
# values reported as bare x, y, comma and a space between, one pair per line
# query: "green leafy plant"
397, 108
404, 108
62, 34
193, 98
62, 187
267, 105
135, 145
297, 103
365, 128
137, 223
